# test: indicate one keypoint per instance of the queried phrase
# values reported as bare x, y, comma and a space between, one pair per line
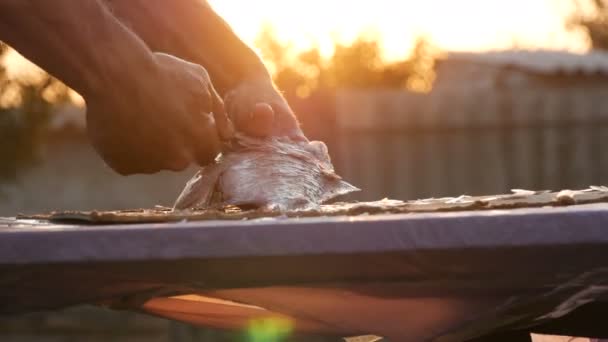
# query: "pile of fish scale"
269, 174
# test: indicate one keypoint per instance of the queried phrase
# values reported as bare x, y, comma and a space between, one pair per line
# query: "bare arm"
145, 111
191, 30
79, 42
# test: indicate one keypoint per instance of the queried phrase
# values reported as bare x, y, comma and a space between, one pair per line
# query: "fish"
273, 173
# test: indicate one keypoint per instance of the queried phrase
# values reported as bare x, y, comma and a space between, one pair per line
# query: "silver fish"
271, 174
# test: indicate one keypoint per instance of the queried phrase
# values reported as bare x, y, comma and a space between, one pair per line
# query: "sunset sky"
452, 25
472, 25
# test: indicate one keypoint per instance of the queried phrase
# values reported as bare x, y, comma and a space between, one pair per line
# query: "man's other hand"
257, 109
164, 117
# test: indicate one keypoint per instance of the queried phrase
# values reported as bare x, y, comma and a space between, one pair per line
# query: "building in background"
493, 121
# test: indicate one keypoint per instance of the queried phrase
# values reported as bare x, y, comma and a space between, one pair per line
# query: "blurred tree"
273, 51
421, 65
355, 65
358, 65
594, 22
25, 108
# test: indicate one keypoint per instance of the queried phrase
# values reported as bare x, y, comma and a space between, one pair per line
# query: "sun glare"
451, 25
471, 25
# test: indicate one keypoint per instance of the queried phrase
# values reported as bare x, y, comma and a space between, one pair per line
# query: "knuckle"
203, 72
207, 93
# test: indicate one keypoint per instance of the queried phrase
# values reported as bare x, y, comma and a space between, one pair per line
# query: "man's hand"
145, 112
162, 121
257, 108
201, 36
148, 112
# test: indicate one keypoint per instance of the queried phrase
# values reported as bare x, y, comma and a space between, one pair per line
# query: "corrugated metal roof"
540, 61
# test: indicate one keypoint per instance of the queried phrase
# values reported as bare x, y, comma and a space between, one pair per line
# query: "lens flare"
269, 330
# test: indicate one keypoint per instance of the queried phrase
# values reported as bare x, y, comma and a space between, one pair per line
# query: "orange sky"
451, 24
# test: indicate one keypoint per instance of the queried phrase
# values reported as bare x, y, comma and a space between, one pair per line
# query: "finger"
223, 124
258, 122
230, 105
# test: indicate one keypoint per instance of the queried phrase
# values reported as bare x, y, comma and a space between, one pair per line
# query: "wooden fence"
456, 141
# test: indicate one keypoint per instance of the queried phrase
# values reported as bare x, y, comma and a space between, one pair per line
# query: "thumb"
259, 122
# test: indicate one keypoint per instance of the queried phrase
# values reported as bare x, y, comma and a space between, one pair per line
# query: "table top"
465, 274
496, 229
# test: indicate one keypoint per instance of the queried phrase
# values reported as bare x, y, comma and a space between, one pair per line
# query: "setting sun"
451, 25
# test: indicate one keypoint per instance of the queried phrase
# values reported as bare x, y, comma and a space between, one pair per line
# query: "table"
409, 277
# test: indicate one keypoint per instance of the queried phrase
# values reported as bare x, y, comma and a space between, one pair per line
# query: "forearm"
191, 30
79, 42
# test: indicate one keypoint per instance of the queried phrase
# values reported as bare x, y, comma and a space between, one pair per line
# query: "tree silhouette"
594, 24
355, 65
